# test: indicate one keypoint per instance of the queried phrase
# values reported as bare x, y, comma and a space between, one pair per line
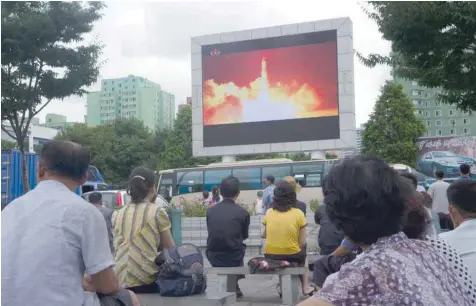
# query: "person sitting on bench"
285, 231
140, 228
227, 225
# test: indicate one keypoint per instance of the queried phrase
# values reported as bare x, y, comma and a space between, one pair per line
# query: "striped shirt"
137, 229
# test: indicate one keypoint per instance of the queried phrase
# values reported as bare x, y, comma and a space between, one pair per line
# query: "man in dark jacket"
95, 198
228, 225
329, 238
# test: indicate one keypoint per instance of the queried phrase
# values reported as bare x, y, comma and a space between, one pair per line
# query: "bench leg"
290, 287
226, 283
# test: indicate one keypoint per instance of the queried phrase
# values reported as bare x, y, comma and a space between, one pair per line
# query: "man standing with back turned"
95, 198
268, 193
54, 243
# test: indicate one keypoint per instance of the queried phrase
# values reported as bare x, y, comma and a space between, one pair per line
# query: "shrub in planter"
314, 204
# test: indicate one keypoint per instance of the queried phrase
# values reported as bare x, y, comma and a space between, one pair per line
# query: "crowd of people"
389, 252
383, 242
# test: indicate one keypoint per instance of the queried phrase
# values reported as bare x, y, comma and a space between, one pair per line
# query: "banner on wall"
446, 154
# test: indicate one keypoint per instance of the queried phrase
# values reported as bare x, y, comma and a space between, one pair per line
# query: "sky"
152, 40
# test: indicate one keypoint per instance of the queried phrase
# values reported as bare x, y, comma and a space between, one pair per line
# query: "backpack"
261, 264
181, 273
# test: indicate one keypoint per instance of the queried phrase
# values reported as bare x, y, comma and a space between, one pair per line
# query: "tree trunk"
24, 171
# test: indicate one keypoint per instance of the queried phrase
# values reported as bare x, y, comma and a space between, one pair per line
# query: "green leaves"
116, 148
433, 43
45, 57
393, 129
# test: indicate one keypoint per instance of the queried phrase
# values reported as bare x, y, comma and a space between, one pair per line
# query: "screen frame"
346, 136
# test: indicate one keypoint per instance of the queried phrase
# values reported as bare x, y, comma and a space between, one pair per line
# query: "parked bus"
189, 183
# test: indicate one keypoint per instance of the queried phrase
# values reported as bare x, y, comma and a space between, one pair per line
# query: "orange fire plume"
227, 103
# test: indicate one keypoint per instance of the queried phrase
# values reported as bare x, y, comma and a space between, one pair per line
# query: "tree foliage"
393, 129
177, 145
433, 43
116, 148
8, 145
44, 57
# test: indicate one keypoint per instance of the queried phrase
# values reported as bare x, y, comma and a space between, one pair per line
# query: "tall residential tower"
131, 96
440, 119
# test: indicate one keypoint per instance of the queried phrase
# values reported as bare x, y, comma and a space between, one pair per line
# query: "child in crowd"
206, 201
259, 203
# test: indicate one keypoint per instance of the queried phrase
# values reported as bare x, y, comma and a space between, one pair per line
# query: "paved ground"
258, 290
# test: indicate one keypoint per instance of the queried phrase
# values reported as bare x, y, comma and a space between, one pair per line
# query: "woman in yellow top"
285, 231
140, 229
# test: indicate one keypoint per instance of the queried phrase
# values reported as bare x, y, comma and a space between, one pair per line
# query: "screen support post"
228, 158
318, 155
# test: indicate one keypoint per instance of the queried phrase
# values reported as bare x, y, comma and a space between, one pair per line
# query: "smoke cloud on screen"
274, 84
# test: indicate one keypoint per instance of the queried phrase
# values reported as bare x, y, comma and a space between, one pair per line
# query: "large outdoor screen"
281, 89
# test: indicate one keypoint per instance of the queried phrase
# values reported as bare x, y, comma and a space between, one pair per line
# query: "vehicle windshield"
443, 154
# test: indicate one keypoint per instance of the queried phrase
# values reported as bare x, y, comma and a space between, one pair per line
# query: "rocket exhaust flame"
225, 103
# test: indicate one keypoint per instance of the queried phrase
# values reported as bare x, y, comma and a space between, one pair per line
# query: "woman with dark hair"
415, 224
285, 231
367, 200
140, 228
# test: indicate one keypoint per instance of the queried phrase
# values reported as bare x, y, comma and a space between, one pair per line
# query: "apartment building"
131, 96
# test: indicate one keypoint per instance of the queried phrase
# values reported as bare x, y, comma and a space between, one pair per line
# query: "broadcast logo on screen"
215, 52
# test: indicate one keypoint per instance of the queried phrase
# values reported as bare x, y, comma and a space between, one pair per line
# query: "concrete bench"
204, 299
289, 277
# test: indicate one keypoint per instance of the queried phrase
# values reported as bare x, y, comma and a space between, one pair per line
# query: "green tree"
393, 129
432, 43
299, 156
259, 156
331, 156
176, 150
8, 145
44, 57
116, 148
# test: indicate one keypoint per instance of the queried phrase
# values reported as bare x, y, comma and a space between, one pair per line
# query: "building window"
438, 122
250, 178
279, 173
466, 121
428, 123
420, 112
452, 122
438, 113
416, 93
452, 132
428, 133
452, 112
466, 131
437, 103
439, 132
417, 102
428, 103
414, 83
427, 114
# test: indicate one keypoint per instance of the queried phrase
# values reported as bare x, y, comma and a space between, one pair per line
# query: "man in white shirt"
462, 209
55, 244
437, 191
